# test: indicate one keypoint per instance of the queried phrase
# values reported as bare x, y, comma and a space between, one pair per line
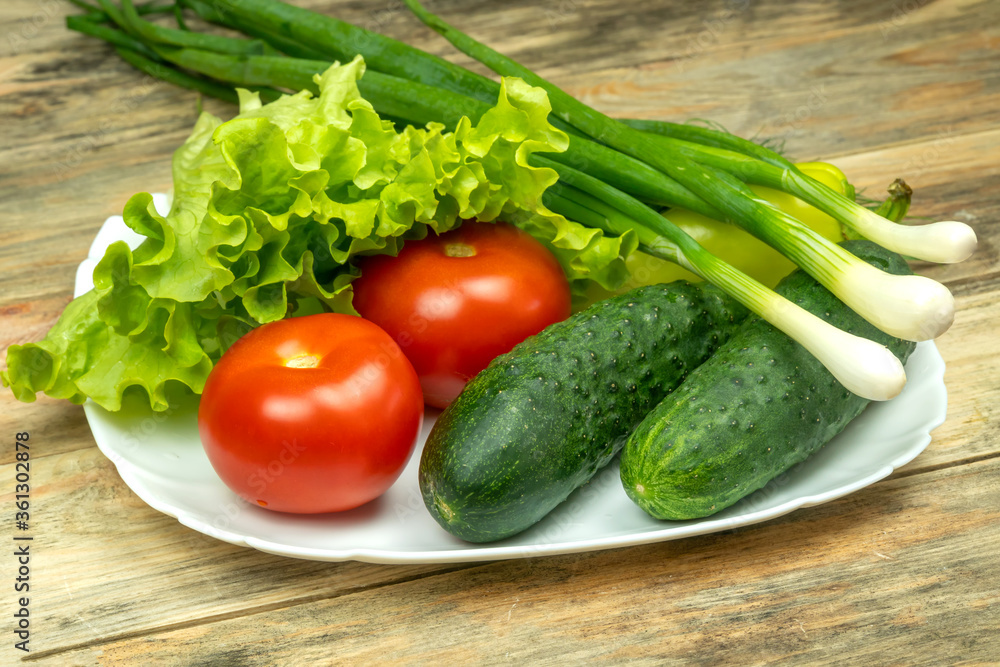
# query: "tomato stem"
303, 361
459, 250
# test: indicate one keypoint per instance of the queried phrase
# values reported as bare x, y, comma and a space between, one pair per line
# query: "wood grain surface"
903, 572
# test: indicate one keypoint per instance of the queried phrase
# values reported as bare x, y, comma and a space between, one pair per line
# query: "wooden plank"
813, 113
895, 573
972, 351
826, 93
104, 563
60, 425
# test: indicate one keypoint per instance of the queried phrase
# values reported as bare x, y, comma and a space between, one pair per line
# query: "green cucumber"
760, 405
539, 421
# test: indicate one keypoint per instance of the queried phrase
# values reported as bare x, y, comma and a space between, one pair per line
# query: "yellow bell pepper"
739, 248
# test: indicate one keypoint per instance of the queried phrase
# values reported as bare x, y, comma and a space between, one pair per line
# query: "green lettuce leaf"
269, 211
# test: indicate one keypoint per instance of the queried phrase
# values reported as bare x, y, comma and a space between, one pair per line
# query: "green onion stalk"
609, 177
944, 242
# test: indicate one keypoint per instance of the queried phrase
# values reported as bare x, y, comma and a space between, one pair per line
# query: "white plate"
161, 459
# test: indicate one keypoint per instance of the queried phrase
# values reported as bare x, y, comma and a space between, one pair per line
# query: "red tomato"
454, 302
311, 414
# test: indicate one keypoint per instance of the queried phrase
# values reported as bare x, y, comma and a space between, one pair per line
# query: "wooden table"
903, 572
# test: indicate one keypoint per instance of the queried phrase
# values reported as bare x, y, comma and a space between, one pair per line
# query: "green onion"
942, 242
160, 71
130, 20
119, 39
341, 41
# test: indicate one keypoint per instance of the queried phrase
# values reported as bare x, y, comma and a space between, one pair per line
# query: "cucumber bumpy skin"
760, 405
539, 421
